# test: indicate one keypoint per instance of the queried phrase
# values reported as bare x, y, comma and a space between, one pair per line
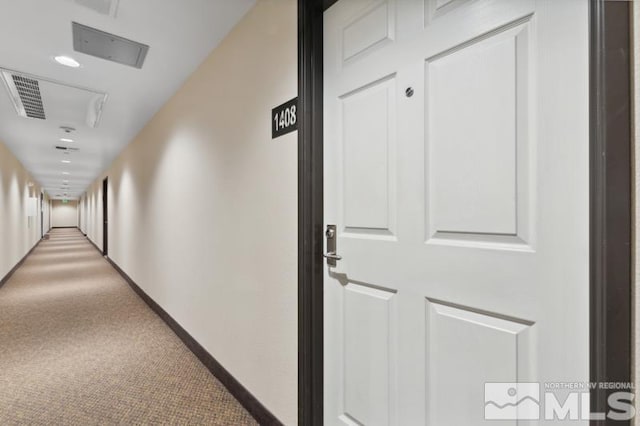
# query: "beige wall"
19, 211
203, 207
64, 214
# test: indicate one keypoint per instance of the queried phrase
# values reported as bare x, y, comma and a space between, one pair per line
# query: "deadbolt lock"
331, 255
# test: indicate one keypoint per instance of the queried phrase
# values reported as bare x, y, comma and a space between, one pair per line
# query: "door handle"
331, 255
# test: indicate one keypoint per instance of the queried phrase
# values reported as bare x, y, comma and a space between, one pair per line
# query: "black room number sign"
284, 118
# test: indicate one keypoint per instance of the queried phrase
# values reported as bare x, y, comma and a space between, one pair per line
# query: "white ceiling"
180, 33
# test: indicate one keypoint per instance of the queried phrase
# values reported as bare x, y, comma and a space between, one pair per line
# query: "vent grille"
66, 148
65, 103
29, 92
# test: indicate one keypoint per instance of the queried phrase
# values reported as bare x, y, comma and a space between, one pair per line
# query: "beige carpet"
78, 347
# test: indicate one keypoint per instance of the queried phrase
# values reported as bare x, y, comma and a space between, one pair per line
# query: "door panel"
456, 172
473, 165
370, 27
459, 341
437, 8
478, 172
369, 360
368, 123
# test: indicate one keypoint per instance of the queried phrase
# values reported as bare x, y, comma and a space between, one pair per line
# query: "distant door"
105, 217
457, 175
41, 215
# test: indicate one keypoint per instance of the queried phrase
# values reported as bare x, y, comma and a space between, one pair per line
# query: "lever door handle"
332, 256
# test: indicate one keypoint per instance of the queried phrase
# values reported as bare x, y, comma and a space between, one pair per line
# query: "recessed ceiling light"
66, 161
67, 61
66, 140
66, 173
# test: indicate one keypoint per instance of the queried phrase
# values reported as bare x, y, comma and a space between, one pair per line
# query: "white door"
456, 172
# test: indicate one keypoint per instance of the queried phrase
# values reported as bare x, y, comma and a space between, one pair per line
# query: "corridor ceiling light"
66, 161
67, 61
66, 140
66, 173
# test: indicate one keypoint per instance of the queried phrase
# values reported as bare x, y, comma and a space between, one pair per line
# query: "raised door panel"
368, 148
368, 355
436, 8
372, 26
477, 139
465, 350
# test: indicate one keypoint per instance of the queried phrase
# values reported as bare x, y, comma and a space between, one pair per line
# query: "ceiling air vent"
32, 95
108, 46
25, 93
65, 148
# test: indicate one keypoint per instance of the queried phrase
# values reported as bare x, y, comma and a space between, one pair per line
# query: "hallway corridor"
79, 347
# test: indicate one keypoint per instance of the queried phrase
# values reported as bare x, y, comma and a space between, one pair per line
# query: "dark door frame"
611, 194
610, 203
310, 214
105, 217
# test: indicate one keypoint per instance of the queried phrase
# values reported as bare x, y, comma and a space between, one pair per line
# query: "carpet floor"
79, 347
